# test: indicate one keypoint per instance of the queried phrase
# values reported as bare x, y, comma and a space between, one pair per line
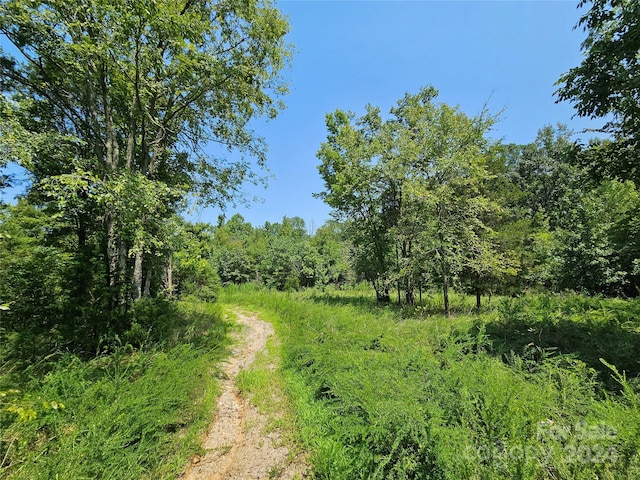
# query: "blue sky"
348, 54
508, 54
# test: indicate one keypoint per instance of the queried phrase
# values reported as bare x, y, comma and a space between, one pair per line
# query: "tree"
411, 187
449, 163
194, 262
33, 267
288, 260
331, 261
359, 190
232, 241
545, 173
139, 91
606, 82
597, 250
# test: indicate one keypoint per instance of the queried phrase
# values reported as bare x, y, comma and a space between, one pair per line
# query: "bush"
132, 413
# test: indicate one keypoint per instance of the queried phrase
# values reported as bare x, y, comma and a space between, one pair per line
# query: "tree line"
109, 107
427, 199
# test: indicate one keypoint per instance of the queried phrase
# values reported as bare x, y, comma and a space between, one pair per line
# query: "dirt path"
237, 445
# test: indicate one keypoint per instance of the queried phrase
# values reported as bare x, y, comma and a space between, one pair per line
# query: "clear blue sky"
350, 53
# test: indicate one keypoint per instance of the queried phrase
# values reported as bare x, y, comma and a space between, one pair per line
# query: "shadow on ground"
585, 333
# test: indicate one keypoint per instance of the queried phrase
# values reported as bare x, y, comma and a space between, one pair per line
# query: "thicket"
87, 392
283, 256
536, 387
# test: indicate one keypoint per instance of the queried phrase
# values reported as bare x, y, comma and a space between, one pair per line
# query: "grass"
519, 391
532, 388
135, 412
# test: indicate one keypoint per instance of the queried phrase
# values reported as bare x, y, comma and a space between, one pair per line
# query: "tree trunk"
382, 292
445, 281
445, 277
146, 293
111, 261
168, 280
383, 297
137, 276
398, 270
478, 299
445, 293
409, 297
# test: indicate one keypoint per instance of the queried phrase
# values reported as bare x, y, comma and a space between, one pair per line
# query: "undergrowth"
533, 388
134, 411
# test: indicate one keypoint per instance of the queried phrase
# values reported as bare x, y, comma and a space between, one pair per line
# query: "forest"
470, 311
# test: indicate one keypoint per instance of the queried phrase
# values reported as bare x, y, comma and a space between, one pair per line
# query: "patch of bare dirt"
239, 445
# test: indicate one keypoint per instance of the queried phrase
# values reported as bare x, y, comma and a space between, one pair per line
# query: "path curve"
237, 447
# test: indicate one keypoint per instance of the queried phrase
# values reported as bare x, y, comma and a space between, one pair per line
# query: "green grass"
516, 392
135, 412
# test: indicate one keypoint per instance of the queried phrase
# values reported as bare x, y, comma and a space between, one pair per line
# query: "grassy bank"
532, 388
134, 411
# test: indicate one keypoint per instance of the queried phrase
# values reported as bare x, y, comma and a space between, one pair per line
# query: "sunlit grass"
387, 392
136, 412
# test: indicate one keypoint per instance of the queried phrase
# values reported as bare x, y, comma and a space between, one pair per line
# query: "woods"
428, 198
116, 102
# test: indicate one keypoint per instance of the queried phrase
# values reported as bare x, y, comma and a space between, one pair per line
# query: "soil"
238, 445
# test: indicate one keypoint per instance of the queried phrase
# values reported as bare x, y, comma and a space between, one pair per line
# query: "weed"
517, 391
136, 411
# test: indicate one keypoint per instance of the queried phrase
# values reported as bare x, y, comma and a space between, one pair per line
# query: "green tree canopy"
606, 82
138, 92
412, 189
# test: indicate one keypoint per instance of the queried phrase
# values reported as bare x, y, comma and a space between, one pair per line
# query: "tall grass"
135, 411
382, 392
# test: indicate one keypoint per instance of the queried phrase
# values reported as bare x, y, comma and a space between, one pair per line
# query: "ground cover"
536, 387
136, 410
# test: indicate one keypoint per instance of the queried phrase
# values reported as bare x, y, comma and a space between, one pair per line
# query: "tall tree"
360, 191
545, 173
411, 184
445, 153
606, 82
141, 90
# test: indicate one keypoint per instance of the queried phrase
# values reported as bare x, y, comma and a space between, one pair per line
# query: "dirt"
239, 445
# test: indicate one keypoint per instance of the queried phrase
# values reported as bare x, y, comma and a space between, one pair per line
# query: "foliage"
280, 255
132, 413
34, 268
381, 393
604, 85
597, 251
194, 262
360, 191
413, 187
110, 107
